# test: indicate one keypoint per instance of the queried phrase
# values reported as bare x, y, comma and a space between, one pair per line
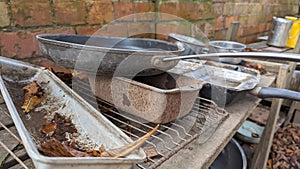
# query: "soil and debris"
56, 134
285, 150
258, 67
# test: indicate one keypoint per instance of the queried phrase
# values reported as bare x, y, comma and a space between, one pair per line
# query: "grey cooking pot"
231, 157
108, 55
227, 46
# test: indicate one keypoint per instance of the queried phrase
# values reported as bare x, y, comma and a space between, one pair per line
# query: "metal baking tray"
89, 122
223, 83
157, 99
245, 79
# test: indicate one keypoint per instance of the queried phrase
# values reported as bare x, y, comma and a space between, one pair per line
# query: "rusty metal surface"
92, 127
158, 99
199, 123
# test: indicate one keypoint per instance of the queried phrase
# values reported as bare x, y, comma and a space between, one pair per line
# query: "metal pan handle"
252, 55
270, 92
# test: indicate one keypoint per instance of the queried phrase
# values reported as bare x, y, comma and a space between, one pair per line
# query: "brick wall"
21, 20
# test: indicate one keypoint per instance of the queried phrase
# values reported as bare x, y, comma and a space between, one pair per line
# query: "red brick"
71, 12
18, 45
87, 30
23, 44
241, 9
228, 9
114, 29
4, 18
100, 12
31, 13
144, 11
243, 20
220, 35
219, 23
251, 29
203, 29
208, 11
209, 30
242, 40
268, 18
228, 20
123, 9
254, 19
163, 29
218, 7
190, 10
168, 11
135, 29
255, 8
262, 27
251, 39
246, 30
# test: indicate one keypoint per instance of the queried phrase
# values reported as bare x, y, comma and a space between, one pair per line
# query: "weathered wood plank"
261, 155
275, 49
258, 45
4, 115
232, 32
297, 117
28, 163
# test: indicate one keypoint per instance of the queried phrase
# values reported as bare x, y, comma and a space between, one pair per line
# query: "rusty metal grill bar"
170, 138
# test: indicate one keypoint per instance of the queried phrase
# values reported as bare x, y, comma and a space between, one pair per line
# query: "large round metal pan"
128, 56
108, 55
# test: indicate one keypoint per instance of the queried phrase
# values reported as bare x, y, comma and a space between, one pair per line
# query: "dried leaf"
49, 129
33, 96
32, 88
54, 148
31, 102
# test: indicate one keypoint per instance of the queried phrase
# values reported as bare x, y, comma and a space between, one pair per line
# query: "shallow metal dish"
191, 45
108, 55
61, 99
227, 46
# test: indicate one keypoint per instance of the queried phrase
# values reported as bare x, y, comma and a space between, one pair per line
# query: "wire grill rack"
199, 124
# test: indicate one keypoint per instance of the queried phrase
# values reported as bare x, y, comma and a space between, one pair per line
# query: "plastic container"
294, 32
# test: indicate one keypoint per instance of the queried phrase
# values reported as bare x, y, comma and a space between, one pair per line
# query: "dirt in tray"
36, 121
55, 134
42, 129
